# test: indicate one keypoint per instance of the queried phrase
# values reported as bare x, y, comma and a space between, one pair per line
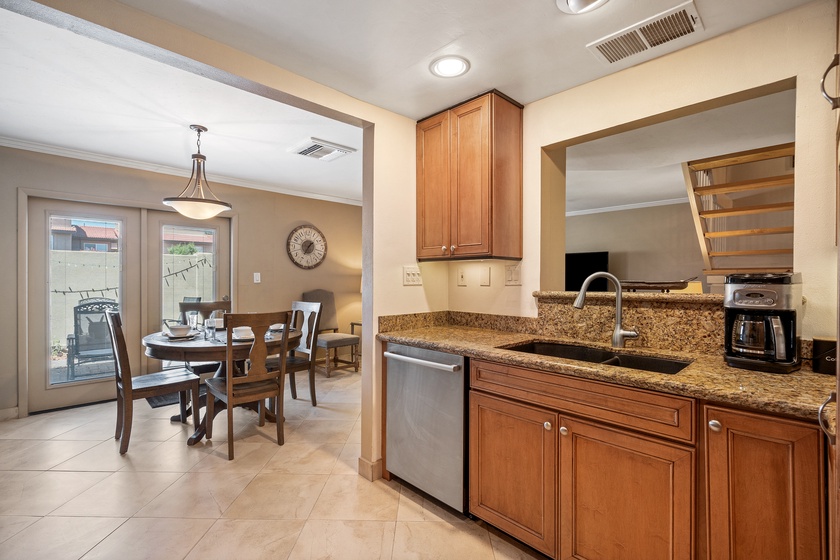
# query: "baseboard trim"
370, 470
9, 413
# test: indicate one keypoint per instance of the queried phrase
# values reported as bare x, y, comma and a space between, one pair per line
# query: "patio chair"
89, 341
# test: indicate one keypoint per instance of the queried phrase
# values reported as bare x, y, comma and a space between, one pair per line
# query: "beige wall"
653, 244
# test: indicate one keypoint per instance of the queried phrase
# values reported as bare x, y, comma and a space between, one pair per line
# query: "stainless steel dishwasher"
426, 423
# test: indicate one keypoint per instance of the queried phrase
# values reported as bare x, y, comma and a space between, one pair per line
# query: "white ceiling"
64, 93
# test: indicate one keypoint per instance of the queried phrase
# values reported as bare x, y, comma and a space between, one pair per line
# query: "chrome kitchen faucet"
619, 334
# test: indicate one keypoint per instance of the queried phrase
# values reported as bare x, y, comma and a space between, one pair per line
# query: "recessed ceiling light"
579, 6
449, 66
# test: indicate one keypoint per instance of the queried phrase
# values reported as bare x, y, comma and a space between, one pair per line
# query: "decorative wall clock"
306, 246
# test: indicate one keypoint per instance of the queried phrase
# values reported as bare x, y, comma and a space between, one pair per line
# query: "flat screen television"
581, 265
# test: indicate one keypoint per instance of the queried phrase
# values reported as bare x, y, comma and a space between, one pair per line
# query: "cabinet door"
470, 177
513, 469
764, 487
433, 187
623, 496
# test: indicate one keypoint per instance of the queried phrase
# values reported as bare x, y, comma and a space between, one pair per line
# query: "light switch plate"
411, 276
485, 276
513, 275
462, 277
257, 278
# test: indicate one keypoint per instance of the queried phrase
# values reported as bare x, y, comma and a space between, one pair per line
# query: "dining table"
200, 348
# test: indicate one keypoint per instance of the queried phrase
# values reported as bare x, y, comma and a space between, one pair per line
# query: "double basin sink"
602, 356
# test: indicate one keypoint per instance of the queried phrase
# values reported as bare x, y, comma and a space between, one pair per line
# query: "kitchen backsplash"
668, 321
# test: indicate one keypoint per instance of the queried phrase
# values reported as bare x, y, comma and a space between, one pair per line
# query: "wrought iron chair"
89, 341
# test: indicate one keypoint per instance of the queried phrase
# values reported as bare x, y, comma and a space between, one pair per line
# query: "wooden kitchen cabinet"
623, 496
513, 469
617, 494
469, 181
764, 487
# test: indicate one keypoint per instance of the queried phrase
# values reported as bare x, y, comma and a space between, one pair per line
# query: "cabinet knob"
443, 248
715, 426
452, 248
547, 426
564, 430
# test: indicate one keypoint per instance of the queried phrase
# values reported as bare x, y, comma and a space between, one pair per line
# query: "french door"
188, 259
84, 259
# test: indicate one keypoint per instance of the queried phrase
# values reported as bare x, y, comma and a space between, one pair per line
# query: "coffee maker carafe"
763, 313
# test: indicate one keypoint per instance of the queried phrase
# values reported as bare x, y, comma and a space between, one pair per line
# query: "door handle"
424, 363
832, 438
835, 101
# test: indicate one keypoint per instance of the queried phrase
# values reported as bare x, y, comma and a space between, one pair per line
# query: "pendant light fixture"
579, 6
194, 202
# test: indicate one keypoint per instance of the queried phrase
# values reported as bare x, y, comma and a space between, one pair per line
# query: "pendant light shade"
197, 201
579, 6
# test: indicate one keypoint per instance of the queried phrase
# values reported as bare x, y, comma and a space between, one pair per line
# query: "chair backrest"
256, 369
308, 315
89, 324
329, 318
205, 308
122, 368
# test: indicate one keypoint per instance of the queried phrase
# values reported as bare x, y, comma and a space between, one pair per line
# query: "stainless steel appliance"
425, 422
763, 314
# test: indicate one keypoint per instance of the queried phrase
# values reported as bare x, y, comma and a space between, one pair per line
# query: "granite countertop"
797, 394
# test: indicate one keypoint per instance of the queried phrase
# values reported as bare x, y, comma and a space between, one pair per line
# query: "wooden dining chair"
129, 388
329, 338
302, 358
204, 309
254, 382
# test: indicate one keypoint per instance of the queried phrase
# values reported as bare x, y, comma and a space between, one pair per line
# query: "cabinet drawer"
653, 413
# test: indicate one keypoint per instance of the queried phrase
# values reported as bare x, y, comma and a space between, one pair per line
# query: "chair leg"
327, 363
230, 432
292, 386
182, 403
311, 382
278, 413
209, 414
194, 397
261, 408
120, 411
128, 407
356, 357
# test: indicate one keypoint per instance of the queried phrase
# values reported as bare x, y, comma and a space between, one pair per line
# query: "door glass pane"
84, 281
189, 267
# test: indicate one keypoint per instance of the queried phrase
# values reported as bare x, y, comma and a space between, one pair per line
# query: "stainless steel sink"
602, 356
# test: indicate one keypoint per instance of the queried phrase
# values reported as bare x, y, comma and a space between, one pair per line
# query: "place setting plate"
189, 336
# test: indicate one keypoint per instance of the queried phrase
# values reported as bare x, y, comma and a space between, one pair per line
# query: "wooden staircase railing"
743, 209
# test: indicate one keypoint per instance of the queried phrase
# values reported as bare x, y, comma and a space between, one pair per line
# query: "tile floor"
66, 493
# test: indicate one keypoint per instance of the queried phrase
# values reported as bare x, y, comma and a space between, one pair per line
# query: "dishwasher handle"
424, 363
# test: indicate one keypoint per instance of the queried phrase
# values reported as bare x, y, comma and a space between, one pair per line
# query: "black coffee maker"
763, 314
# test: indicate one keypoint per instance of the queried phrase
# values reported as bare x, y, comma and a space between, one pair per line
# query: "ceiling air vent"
321, 149
660, 29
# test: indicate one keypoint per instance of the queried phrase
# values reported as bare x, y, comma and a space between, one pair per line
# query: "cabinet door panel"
433, 187
764, 487
470, 178
513, 469
623, 496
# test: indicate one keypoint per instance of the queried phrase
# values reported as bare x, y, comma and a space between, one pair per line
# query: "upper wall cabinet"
469, 181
